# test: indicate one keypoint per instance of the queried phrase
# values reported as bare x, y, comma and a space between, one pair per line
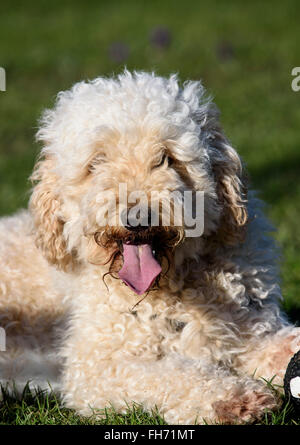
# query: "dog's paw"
284, 351
244, 408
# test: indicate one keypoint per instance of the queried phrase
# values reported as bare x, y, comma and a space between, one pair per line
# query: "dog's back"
29, 307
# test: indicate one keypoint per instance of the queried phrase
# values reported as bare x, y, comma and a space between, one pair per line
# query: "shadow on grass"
277, 179
277, 182
293, 313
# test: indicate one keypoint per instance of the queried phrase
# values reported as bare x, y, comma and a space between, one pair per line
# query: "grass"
37, 407
243, 51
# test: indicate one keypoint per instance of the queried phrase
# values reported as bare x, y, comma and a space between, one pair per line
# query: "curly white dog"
208, 324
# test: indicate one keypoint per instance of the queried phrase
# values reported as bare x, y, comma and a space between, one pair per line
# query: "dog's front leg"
268, 356
184, 391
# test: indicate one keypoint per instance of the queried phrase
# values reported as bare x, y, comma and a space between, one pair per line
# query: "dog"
111, 309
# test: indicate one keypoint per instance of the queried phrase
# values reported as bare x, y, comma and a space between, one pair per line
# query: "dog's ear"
231, 186
225, 165
45, 207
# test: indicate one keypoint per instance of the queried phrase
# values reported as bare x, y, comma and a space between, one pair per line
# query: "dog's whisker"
142, 299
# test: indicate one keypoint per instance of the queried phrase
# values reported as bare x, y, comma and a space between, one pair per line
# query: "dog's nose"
136, 222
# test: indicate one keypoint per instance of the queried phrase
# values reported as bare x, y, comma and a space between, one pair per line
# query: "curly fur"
197, 346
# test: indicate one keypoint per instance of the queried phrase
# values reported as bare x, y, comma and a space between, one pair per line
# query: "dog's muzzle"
140, 267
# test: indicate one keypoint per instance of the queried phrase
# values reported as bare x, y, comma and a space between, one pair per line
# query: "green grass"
243, 51
36, 407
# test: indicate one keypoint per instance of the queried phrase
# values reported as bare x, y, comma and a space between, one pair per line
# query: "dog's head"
120, 157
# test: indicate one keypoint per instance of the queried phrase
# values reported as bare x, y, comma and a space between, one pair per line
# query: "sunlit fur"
196, 345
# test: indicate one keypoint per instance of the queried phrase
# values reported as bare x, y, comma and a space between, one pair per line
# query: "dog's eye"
164, 159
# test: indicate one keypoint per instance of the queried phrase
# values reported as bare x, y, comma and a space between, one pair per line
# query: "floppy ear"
45, 208
231, 189
225, 164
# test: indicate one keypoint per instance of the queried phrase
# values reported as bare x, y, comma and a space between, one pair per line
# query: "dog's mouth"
140, 267
139, 259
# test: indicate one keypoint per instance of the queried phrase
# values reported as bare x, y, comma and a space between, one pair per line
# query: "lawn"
244, 53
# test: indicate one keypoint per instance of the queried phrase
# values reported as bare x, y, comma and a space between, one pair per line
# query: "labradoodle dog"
114, 309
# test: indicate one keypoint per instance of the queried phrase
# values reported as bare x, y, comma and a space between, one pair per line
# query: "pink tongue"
140, 268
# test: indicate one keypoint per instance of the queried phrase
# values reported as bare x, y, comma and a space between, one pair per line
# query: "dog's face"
116, 154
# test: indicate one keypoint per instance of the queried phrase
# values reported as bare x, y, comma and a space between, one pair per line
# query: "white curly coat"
197, 346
